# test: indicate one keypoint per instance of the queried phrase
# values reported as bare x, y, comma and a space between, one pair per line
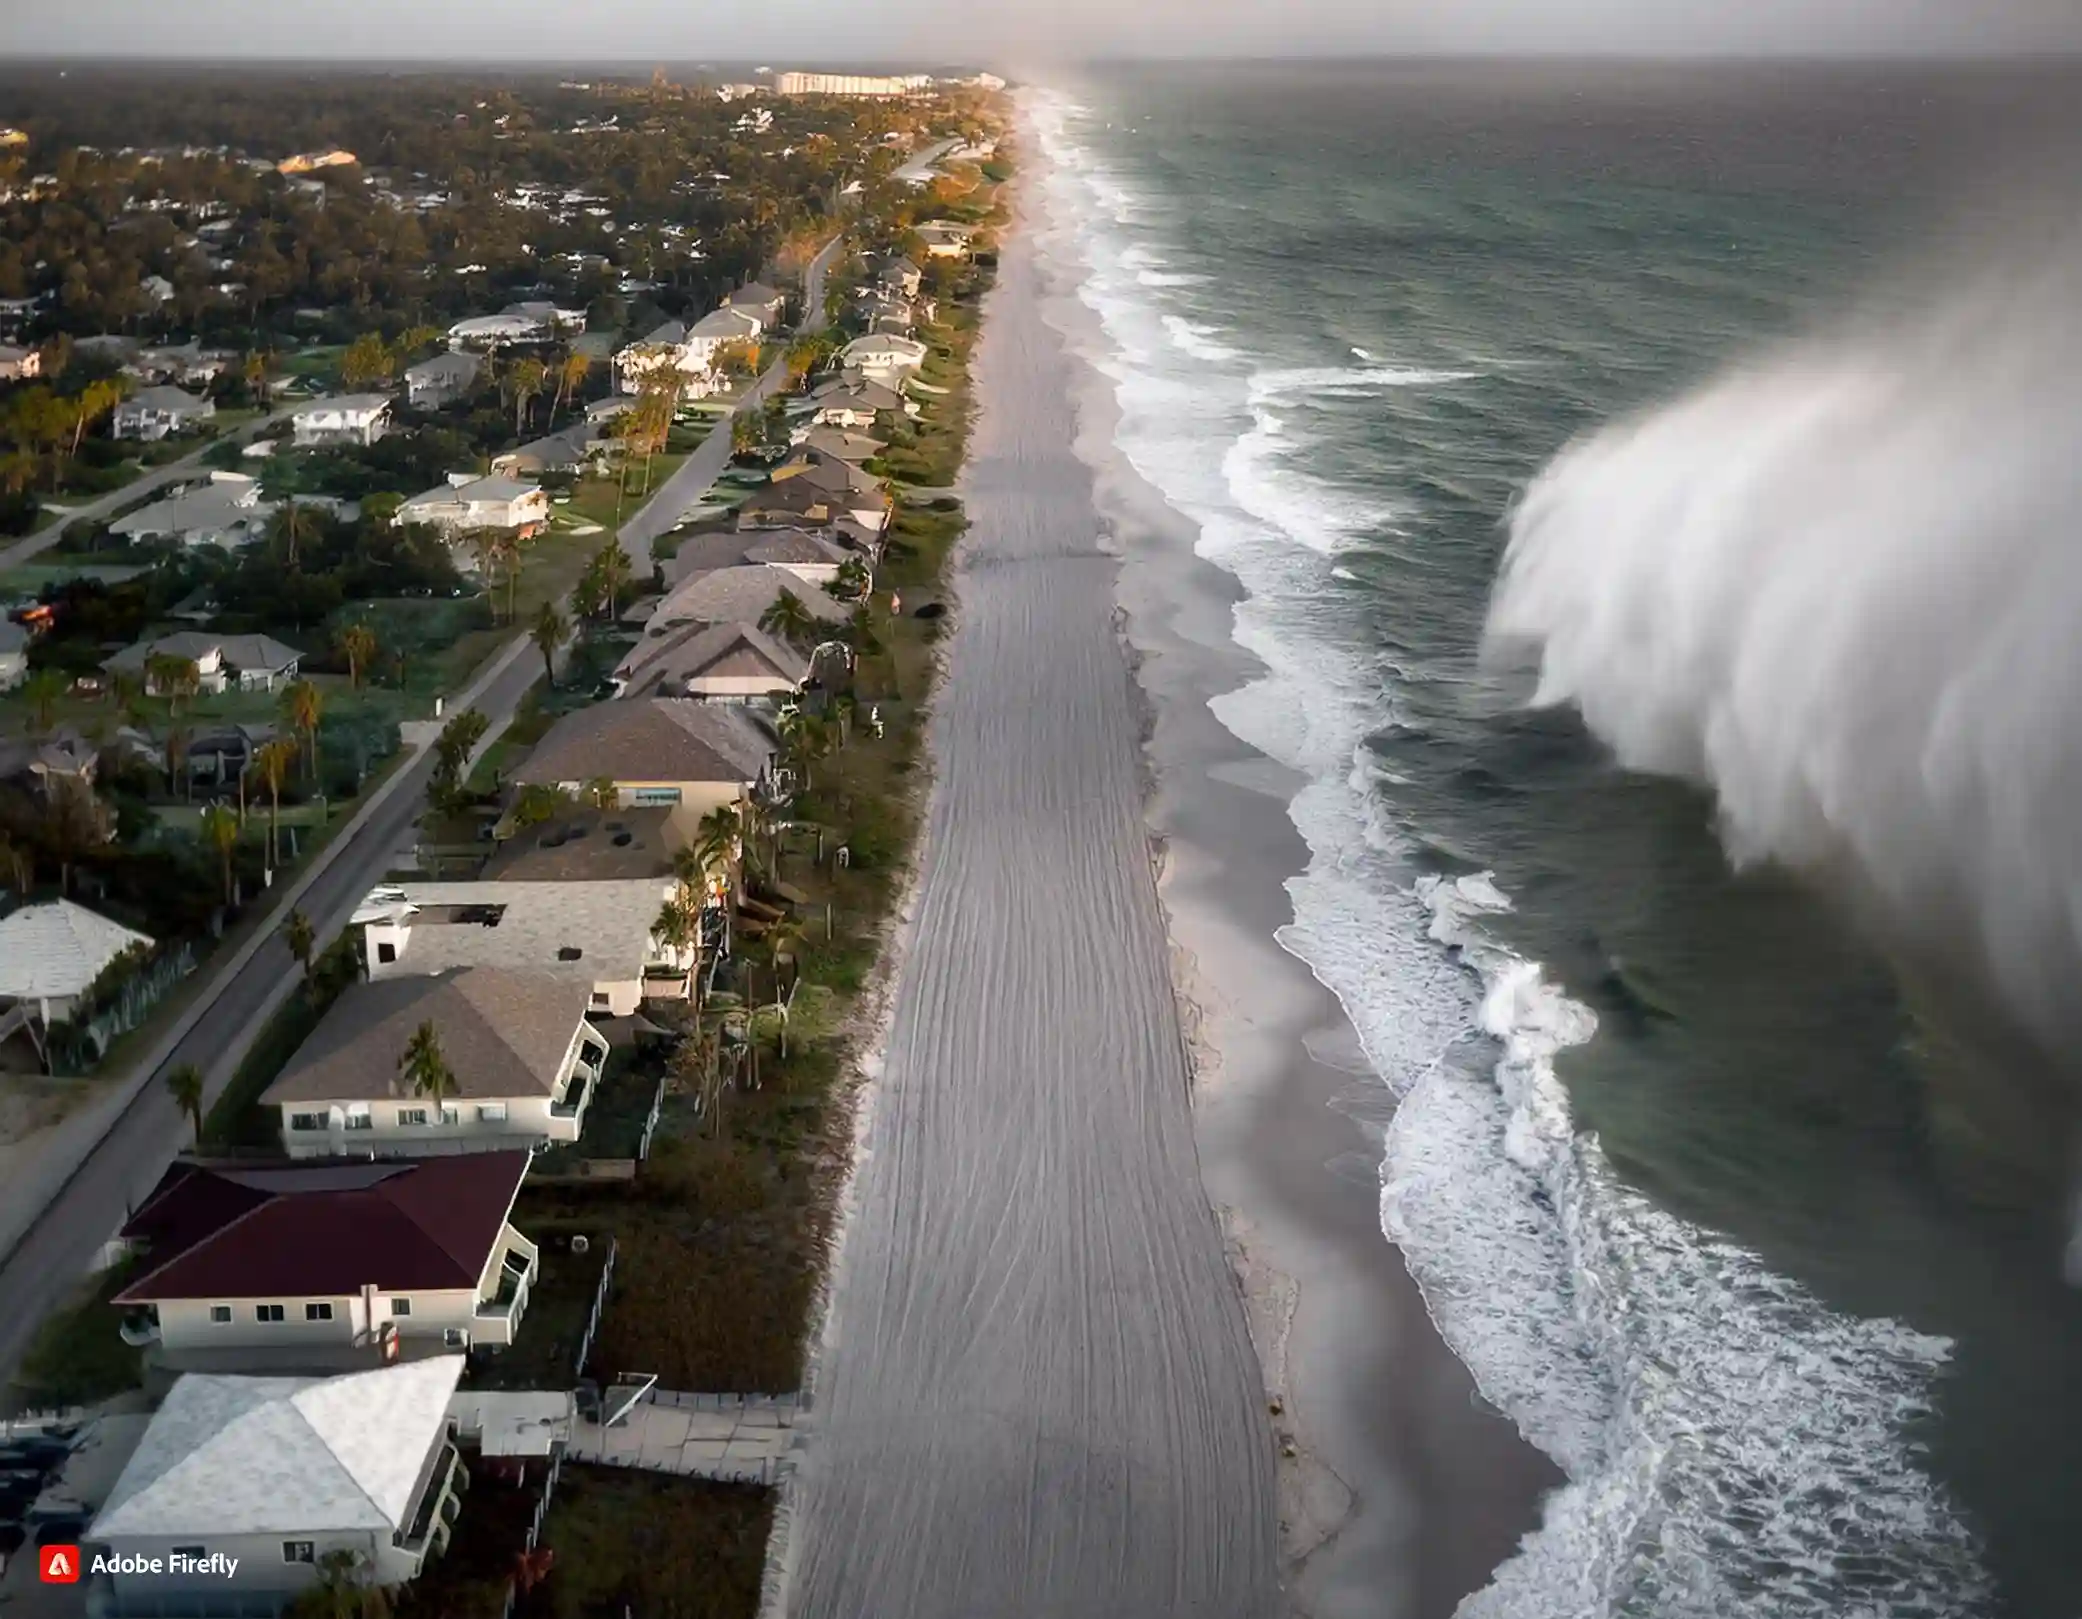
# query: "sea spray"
1839, 587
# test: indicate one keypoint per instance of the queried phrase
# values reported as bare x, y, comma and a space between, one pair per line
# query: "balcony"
497, 1318
440, 1504
578, 1091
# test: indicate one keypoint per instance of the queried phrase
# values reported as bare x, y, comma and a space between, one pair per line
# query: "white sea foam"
1199, 340
1733, 1447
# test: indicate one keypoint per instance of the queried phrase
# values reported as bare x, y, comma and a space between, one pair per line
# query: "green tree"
527, 380
274, 761
173, 678
571, 379
41, 691
302, 706
789, 618
536, 803
678, 927
357, 645
602, 793
368, 360
75, 823
613, 565
302, 940
551, 630
424, 1066
221, 826
185, 1085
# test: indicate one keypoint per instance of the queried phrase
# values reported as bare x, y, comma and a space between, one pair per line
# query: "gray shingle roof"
504, 1033
690, 653
239, 651
659, 739
739, 595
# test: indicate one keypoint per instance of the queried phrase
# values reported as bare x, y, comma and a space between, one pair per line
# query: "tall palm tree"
302, 706
678, 927
487, 545
274, 761
613, 563
716, 840
424, 1066
571, 376
221, 827
358, 646
526, 379
172, 678
302, 939
185, 1085
551, 630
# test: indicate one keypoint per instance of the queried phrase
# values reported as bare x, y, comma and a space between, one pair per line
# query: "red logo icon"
59, 1565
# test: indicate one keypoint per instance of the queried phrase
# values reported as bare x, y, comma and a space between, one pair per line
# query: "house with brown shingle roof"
322, 1266
523, 1057
692, 757
721, 663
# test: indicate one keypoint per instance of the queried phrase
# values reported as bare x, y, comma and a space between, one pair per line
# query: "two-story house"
153, 413
598, 934
763, 303
692, 757
342, 419
884, 357
521, 1056
244, 1491
718, 663
719, 330
326, 1265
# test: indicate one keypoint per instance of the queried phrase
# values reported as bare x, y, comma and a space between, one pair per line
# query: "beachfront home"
837, 442
522, 1058
466, 503
901, 276
854, 493
854, 401
740, 595
342, 419
884, 357
51, 953
690, 757
153, 413
809, 556
719, 663
244, 1492
443, 379
222, 662
328, 1264
945, 239
598, 933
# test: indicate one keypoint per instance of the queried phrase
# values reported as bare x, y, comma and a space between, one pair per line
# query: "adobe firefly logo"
59, 1565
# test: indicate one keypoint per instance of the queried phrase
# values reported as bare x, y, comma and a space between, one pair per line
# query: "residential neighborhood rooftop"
594, 931
503, 1033
584, 845
663, 739
57, 949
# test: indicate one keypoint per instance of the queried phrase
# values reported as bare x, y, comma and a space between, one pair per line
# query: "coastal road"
687, 487
189, 466
1036, 1397
56, 1250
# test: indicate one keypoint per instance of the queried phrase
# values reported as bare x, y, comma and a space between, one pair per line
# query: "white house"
14, 654
760, 301
443, 379
884, 357
944, 239
243, 1491
342, 419
667, 355
719, 330
223, 662
153, 413
598, 934
496, 331
50, 954
523, 1058
327, 1265
474, 503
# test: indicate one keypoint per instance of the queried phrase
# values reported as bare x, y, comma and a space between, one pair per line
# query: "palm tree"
571, 377
221, 827
41, 691
537, 802
601, 792
717, 838
789, 618
526, 379
551, 630
302, 939
487, 546
357, 646
185, 1085
613, 563
274, 761
853, 581
288, 528
678, 927
172, 678
511, 544
424, 1067
257, 368
302, 705
74, 822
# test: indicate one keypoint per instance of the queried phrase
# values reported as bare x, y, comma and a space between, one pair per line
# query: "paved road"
1036, 1398
687, 487
189, 466
58, 1248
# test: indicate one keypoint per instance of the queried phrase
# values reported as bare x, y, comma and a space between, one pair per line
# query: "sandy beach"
1400, 1490
1036, 1392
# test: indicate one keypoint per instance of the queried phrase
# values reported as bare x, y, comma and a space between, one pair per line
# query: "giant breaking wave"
1842, 588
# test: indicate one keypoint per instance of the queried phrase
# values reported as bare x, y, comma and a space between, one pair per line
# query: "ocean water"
1759, 1242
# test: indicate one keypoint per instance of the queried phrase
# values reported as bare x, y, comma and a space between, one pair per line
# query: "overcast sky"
1017, 32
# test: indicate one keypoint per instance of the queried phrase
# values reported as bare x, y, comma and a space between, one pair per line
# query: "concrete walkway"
736, 1438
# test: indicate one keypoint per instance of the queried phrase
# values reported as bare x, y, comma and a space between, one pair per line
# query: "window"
386, 951
220, 1314
358, 1117
654, 795
267, 1312
307, 1121
318, 1312
451, 1114
602, 998
299, 1551
491, 1113
400, 1306
412, 1115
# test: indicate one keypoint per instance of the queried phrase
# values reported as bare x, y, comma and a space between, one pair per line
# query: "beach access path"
1036, 1395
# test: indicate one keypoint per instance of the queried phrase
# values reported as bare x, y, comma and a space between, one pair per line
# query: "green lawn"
78, 1356
665, 1548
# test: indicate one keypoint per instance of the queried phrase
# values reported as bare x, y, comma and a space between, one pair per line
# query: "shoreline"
1400, 1490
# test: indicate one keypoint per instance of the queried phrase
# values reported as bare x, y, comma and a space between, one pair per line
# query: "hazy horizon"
871, 32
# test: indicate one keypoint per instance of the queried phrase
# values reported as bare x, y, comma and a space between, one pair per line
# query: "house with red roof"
327, 1265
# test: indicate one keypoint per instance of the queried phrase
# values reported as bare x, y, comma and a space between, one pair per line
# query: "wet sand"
1400, 1490
1036, 1394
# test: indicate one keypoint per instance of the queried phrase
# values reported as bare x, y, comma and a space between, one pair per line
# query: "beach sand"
1400, 1490
1035, 1392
